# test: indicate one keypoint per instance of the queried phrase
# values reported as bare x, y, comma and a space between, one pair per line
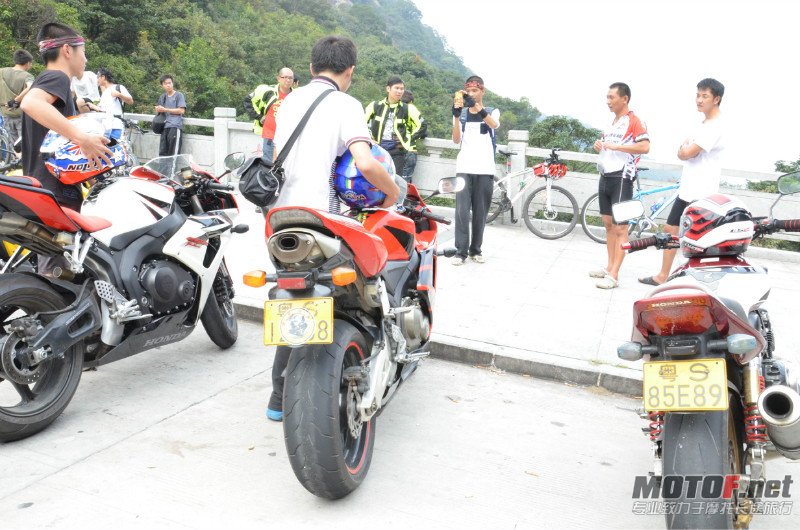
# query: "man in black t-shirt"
47, 106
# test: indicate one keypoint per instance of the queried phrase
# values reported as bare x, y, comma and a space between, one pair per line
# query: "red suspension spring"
656, 425
754, 427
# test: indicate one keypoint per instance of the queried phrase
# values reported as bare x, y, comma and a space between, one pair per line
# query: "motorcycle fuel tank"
130, 204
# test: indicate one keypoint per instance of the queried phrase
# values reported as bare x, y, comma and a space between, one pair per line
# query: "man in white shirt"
474, 128
335, 126
702, 153
85, 90
113, 95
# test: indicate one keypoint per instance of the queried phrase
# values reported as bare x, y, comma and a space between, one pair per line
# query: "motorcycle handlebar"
220, 187
788, 225
639, 244
434, 217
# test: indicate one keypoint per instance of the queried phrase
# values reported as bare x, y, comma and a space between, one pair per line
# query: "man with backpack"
262, 106
172, 104
474, 128
15, 81
113, 97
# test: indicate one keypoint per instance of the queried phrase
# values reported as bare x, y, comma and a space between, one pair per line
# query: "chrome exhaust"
780, 407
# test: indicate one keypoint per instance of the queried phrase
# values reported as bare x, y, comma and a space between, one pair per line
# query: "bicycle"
592, 222
127, 141
550, 211
7, 155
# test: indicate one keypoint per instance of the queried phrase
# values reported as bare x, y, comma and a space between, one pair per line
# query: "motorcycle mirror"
789, 184
627, 210
451, 185
234, 161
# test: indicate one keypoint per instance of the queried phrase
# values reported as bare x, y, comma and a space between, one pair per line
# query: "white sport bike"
137, 268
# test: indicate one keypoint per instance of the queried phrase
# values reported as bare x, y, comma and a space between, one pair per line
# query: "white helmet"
717, 225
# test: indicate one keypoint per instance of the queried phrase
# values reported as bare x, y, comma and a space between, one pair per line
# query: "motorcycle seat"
88, 223
25, 181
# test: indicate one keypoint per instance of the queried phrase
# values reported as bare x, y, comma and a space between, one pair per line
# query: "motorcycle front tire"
327, 457
219, 316
704, 443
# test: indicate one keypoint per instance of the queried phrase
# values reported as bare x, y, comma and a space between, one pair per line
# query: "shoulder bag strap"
300, 126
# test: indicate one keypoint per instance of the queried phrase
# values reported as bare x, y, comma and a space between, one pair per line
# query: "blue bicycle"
592, 222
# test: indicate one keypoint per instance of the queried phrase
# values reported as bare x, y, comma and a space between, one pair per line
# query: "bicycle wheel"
6, 148
554, 218
591, 221
500, 201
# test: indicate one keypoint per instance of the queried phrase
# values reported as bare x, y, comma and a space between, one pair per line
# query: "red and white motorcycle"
137, 268
715, 397
355, 300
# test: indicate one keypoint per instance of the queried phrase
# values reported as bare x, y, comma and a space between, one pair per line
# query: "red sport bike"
716, 399
354, 299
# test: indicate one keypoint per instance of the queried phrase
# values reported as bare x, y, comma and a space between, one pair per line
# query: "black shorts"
613, 190
676, 213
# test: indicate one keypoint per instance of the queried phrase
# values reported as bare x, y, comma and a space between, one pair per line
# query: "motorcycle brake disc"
13, 365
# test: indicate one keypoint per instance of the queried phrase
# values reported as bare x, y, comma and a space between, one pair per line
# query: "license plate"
685, 386
296, 322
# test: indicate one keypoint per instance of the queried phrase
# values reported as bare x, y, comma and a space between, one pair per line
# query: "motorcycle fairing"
35, 204
370, 254
395, 230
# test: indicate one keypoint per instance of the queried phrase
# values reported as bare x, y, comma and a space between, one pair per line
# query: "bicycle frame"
647, 220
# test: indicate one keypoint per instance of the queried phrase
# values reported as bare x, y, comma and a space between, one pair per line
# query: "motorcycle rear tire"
704, 443
219, 316
50, 395
326, 458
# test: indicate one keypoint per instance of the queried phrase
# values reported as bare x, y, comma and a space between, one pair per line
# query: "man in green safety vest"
393, 123
265, 101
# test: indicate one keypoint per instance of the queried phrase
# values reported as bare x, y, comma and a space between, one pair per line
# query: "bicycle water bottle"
654, 208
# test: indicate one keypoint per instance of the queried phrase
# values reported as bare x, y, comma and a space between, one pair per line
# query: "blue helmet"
351, 186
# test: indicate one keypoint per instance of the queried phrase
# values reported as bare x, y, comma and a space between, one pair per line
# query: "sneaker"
598, 273
274, 415
607, 283
477, 258
458, 260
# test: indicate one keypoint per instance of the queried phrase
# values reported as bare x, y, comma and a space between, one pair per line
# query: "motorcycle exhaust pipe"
780, 407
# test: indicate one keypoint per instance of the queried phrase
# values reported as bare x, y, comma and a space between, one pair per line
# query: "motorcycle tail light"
343, 276
675, 315
255, 279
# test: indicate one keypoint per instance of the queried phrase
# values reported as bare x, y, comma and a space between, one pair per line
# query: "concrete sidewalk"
532, 308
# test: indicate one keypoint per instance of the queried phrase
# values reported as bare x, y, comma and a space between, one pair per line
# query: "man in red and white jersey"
620, 148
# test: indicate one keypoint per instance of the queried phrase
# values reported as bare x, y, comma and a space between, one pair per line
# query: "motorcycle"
715, 398
354, 300
139, 266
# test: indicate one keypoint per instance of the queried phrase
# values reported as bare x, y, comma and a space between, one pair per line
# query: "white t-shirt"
701, 174
86, 87
111, 104
477, 152
334, 125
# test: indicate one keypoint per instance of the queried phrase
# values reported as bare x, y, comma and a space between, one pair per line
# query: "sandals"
649, 281
598, 273
607, 282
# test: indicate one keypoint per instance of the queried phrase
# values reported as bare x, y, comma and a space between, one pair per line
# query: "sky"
563, 54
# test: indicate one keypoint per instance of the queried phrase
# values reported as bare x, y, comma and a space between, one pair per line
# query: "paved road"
176, 438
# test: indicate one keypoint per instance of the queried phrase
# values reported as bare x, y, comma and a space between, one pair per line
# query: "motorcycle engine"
169, 286
414, 324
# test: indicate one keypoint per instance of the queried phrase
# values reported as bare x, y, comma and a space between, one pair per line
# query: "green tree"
782, 166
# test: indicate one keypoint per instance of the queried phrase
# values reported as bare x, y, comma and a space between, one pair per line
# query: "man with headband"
474, 128
47, 106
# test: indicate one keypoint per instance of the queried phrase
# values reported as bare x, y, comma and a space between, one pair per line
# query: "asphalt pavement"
176, 438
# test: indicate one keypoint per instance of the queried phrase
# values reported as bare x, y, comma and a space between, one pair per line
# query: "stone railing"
228, 136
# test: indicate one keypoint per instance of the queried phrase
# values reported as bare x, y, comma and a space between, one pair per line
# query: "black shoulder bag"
261, 182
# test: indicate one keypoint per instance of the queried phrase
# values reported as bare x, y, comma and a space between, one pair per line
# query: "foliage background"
219, 51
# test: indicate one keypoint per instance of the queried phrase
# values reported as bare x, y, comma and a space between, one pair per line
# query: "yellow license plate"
296, 322
685, 386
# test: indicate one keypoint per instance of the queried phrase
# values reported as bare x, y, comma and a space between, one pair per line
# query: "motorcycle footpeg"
411, 357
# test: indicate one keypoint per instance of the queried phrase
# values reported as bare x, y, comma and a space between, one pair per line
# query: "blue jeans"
267, 150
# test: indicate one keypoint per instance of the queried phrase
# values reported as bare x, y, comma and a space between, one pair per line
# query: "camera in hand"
12, 104
464, 99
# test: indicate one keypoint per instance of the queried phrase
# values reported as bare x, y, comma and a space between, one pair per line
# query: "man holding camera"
15, 81
474, 128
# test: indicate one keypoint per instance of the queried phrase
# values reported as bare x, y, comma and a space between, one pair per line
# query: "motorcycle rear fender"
670, 297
